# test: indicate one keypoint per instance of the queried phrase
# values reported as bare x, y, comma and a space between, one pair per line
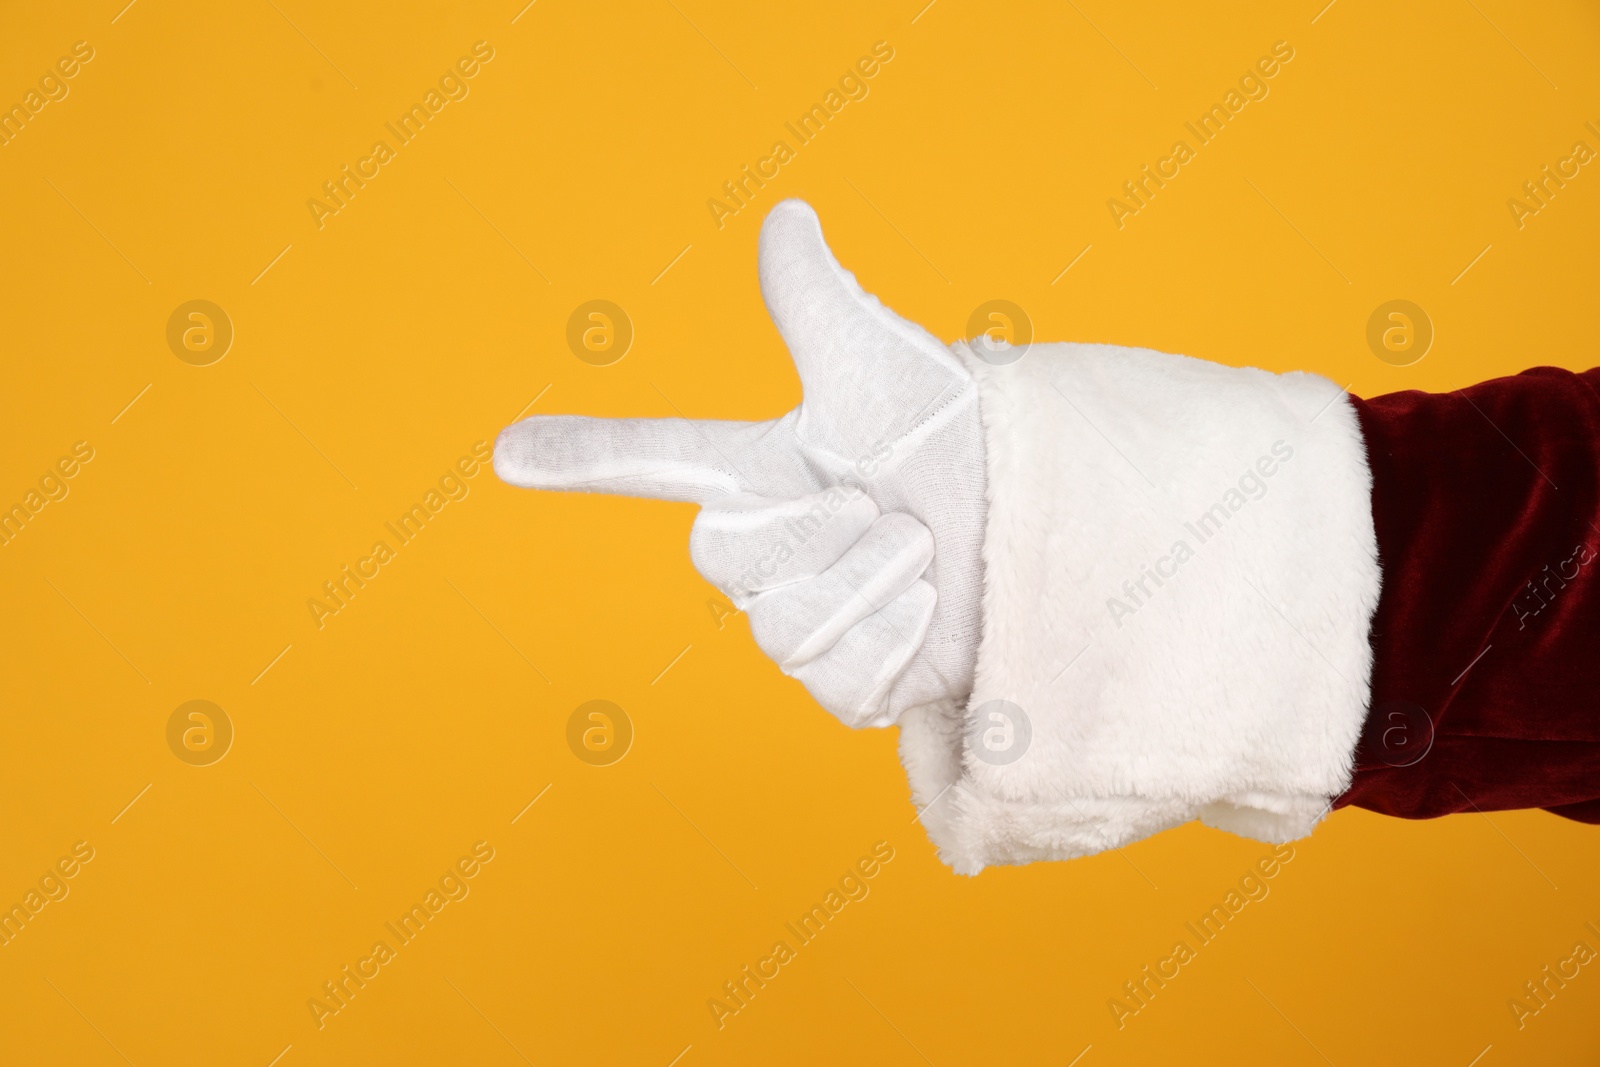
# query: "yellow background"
420, 320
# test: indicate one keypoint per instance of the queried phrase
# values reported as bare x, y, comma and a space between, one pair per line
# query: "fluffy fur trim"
1180, 570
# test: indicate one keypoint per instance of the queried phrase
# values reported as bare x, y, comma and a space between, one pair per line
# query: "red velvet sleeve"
1486, 640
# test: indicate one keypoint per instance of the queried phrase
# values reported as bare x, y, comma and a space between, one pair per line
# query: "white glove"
850, 529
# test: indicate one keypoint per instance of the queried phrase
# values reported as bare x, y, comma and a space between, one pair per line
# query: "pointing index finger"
663, 459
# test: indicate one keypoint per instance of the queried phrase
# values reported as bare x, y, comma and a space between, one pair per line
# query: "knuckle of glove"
798, 623
745, 545
855, 678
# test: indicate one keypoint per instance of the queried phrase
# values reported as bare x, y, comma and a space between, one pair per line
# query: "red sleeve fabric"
1486, 640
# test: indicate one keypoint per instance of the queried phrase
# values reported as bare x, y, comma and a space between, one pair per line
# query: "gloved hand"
850, 529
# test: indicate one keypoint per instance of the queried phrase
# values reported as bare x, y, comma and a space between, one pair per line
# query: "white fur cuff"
1180, 569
